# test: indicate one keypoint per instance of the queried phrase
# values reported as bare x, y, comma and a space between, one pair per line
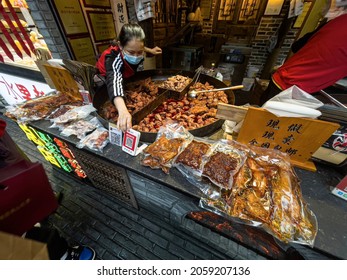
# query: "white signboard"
16, 90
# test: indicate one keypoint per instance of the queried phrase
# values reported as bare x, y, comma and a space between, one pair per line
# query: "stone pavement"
158, 230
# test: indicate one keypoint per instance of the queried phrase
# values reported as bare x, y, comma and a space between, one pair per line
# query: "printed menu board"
71, 16
102, 25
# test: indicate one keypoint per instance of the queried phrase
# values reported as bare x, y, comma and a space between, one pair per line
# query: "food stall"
82, 150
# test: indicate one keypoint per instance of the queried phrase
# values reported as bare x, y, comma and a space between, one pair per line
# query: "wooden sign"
83, 50
298, 137
63, 81
71, 17
120, 12
102, 25
231, 112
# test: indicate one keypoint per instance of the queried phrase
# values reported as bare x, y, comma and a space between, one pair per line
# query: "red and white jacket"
114, 68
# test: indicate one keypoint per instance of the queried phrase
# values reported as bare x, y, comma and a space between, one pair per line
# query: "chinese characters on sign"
54, 151
298, 137
63, 81
16, 90
121, 14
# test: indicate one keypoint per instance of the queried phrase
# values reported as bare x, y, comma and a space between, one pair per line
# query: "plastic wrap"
75, 114
171, 140
266, 193
190, 163
39, 108
96, 140
60, 111
247, 184
221, 163
80, 128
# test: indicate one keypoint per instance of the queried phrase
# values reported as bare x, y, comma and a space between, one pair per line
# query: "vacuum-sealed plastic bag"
81, 128
221, 163
171, 141
75, 114
266, 193
96, 140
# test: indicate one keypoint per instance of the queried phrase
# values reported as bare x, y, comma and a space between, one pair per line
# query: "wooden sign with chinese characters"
119, 9
63, 81
298, 137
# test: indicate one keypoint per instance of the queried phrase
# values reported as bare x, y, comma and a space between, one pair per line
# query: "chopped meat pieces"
176, 83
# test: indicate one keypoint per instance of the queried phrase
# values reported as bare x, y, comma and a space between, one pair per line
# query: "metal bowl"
101, 97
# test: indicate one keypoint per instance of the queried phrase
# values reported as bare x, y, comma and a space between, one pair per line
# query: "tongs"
194, 93
197, 75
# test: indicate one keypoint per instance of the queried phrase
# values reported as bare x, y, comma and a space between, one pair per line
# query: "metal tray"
101, 97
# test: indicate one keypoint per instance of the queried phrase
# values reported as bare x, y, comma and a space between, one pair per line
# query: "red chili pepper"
22, 29
6, 50
10, 40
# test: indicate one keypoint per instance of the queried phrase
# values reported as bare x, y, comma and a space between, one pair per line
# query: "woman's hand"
124, 117
156, 50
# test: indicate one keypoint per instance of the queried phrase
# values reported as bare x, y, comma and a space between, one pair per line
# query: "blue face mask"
133, 59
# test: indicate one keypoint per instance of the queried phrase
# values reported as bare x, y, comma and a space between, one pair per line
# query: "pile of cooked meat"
137, 96
191, 114
176, 83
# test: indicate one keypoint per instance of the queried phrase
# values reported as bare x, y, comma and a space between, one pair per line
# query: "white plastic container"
252, 72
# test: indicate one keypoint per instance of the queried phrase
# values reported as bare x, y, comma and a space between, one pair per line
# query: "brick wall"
47, 26
267, 29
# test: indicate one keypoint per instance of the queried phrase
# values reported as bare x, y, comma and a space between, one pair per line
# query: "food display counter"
114, 166
112, 170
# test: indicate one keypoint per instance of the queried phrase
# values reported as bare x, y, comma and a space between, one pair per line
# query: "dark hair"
129, 32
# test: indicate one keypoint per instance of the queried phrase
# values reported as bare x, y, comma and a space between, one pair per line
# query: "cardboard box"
17, 248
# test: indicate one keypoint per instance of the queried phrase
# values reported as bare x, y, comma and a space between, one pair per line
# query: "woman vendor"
121, 60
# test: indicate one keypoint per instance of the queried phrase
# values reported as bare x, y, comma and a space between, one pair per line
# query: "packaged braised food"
80, 128
266, 193
96, 140
75, 114
60, 111
39, 108
192, 155
222, 163
171, 140
162, 151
